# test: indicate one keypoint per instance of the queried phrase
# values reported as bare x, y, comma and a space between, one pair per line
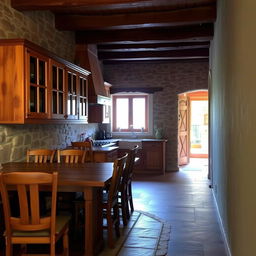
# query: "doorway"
192, 127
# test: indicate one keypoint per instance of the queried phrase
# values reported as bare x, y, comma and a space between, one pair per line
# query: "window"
130, 113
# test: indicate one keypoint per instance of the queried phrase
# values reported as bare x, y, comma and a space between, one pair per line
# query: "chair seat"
61, 221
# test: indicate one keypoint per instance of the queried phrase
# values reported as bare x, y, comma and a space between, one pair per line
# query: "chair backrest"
128, 170
71, 156
84, 145
40, 155
118, 169
27, 186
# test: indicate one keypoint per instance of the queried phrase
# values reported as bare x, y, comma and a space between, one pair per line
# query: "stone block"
35, 144
18, 140
2, 137
5, 153
27, 139
17, 154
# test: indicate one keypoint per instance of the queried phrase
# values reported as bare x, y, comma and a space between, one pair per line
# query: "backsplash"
16, 139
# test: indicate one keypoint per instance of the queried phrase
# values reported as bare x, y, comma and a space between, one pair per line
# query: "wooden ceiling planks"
135, 29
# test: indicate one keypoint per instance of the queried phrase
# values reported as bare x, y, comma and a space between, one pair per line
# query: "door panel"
183, 130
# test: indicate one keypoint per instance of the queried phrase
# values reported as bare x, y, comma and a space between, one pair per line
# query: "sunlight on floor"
197, 169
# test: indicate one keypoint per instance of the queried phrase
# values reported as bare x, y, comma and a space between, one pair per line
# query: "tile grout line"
127, 235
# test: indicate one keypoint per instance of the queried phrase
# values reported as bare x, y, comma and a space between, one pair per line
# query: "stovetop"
105, 143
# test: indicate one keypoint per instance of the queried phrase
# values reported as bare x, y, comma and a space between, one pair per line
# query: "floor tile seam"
162, 227
141, 213
128, 233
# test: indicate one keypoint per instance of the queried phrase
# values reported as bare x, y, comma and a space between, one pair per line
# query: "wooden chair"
84, 145
71, 156
66, 200
41, 155
125, 190
110, 200
30, 227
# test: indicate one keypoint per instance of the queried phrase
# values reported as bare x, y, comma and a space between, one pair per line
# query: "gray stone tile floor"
184, 200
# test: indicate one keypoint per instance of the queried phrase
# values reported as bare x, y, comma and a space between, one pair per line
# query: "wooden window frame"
130, 98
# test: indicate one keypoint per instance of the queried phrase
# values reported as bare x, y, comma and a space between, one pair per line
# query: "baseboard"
227, 248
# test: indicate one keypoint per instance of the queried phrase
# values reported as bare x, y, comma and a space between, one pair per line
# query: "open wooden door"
183, 130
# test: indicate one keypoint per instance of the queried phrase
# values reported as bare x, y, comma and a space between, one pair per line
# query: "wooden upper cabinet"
72, 94
83, 98
58, 90
36, 85
39, 87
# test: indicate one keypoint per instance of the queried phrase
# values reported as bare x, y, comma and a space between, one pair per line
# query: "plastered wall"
233, 122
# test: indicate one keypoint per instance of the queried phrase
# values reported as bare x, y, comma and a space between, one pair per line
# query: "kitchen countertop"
104, 149
135, 139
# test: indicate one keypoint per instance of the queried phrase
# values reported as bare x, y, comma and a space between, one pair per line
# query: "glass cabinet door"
37, 85
83, 92
58, 109
72, 95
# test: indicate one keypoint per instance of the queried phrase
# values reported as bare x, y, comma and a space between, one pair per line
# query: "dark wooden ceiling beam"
190, 53
202, 32
151, 47
49, 4
197, 15
115, 6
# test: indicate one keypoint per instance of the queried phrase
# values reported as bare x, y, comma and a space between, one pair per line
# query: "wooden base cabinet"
36, 86
151, 156
154, 156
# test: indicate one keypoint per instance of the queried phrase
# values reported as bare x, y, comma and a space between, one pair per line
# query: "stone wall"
37, 27
16, 139
175, 78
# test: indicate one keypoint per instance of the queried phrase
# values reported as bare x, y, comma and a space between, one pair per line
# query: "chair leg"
52, 249
77, 211
8, 247
116, 218
127, 208
65, 243
130, 196
110, 229
124, 209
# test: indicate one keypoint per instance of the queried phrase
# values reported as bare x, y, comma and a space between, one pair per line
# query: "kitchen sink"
129, 143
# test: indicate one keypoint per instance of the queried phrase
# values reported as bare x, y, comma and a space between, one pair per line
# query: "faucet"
134, 135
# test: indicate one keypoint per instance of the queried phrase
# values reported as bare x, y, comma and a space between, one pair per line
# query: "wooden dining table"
89, 178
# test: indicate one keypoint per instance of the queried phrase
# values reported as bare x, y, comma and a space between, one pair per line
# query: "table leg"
93, 221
